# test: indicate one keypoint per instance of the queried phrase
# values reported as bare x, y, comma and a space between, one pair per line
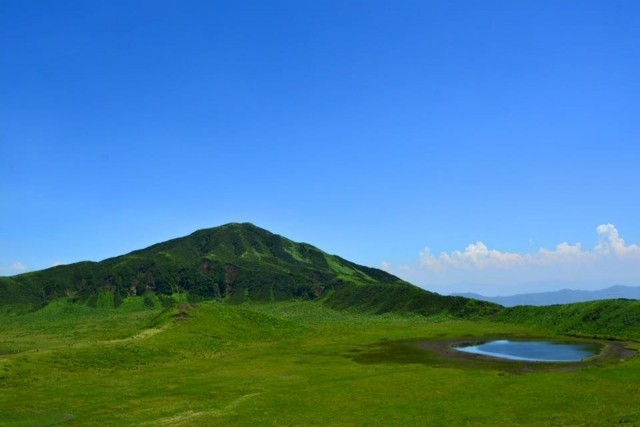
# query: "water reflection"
533, 351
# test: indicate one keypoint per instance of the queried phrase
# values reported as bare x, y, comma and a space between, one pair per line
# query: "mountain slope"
233, 263
564, 296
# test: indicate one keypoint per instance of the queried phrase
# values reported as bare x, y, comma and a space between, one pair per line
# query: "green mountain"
233, 263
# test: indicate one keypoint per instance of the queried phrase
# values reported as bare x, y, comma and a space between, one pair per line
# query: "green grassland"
150, 362
235, 325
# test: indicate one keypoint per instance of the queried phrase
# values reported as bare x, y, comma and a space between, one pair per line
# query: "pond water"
533, 351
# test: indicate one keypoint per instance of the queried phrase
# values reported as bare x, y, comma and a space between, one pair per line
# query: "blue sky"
372, 130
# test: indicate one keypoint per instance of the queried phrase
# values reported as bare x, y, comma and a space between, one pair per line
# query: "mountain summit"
232, 263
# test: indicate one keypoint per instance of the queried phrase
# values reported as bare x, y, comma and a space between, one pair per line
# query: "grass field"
290, 363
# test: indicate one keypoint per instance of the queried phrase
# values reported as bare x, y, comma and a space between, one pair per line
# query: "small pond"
533, 351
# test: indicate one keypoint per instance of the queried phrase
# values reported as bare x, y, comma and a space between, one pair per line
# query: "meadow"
285, 363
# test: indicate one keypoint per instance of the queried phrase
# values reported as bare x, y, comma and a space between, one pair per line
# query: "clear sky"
454, 143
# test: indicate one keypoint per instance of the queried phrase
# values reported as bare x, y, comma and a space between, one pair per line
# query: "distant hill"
608, 319
231, 263
565, 296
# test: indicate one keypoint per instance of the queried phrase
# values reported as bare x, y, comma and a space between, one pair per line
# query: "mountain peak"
234, 262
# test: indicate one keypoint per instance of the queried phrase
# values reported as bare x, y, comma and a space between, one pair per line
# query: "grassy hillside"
404, 298
281, 363
234, 263
614, 319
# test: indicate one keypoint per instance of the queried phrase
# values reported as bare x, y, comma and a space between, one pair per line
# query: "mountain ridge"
563, 296
234, 263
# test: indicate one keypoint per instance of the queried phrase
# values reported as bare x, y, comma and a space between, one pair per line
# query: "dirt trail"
147, 333
142, 335
188, 416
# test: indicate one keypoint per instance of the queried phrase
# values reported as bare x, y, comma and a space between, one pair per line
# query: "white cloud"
13, 268
476, 255
610, 261
610, 242
563, 253
479, 256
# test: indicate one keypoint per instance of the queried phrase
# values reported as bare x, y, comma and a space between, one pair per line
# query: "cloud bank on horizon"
478, 268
